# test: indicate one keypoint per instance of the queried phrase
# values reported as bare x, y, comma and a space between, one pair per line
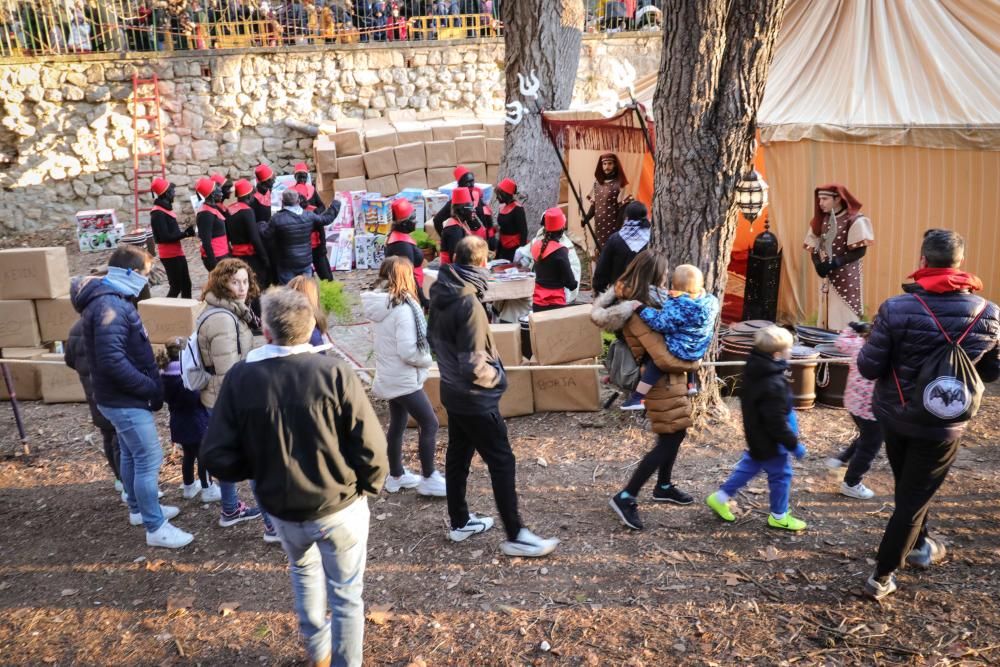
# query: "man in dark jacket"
622, 247
472, 382
126, 384
301, 427
904, 334
289, 233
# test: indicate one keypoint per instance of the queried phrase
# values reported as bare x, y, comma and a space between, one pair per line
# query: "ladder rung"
148, 117
158, 172
143, 99
147, 153
144, 81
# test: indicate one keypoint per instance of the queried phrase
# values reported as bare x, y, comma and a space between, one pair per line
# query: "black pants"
660, 459
487, 434
535, 308
919, 467
400, 408
111, 451
187, 465
862, 451
177, 276
321, 263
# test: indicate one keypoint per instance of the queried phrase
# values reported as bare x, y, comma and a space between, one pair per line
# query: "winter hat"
461, 196
401, 210
218, 178
300, 167
263, 172
242, 188
460, 171
159, 186
205, 187
507, 185
555, 220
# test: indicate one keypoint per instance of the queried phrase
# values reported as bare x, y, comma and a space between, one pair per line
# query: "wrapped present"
96, 221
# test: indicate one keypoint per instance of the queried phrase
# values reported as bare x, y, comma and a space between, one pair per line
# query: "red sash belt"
549, 296
169, 250
243, 249
220, 247
510, 241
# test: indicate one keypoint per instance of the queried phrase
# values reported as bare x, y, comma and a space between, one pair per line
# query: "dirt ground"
79, 586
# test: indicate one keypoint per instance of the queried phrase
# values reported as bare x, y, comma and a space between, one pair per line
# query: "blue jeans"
327, 561
141, 456
285, 275
779, 478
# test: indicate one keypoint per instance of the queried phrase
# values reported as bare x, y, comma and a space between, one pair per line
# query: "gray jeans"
419, 406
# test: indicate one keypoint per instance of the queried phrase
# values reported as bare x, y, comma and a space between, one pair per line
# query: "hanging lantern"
751, 195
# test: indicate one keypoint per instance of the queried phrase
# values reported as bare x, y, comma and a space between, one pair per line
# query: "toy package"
369, 250
377, 213
98, 230
341, 250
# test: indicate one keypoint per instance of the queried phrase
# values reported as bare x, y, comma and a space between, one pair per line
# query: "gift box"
34, 273
349, 167
96, 221
440, 154
470, 150
380, 163
564, 334
445, 130
384, 185
59, 384
168, 319
519, 399
567, 388
508, 342
18, 324
410, 157
384, 137
493, 173
349, 142
325, 156
378, 214
494, 151
55, 318
26, 378
412, 180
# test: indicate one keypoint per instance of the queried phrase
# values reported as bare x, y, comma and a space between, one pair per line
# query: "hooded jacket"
76, 358
668, 406
400, 366
472, 377
291, 232
123, 372
766, 401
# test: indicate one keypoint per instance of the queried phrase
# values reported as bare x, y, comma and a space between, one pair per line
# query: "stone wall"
66, 129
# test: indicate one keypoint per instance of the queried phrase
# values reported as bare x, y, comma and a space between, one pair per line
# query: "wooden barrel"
831, 379
804, 379
731, 375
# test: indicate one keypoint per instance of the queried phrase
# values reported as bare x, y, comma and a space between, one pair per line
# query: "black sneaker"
627, 510
671, 494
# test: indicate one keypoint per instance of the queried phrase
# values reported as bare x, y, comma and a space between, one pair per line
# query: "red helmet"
205, 187
461, 196
242, 188
401, 210
555, 220
459, 172
507, 185
218, 178
159, 186
263, 172
300, 167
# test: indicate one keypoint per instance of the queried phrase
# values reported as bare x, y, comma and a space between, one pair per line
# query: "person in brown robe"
607, 198
838, 237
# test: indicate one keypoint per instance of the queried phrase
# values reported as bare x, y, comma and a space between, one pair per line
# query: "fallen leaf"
542, 462
227, 608
731, 578
770, 553
66, 592
175, 602
379, 614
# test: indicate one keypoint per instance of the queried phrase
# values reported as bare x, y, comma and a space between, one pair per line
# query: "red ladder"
146, 163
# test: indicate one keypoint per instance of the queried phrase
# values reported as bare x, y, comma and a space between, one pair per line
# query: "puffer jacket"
668, 406
902, 336
610, 313
123, 372
217, 342
400, 367
76, 358
766, 404
290, 235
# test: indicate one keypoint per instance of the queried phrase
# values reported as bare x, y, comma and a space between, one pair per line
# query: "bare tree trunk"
543, 36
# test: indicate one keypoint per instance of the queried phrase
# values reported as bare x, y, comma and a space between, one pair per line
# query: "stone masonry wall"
66, 126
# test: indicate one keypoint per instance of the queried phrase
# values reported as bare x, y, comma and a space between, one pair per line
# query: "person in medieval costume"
838, 237
607, 198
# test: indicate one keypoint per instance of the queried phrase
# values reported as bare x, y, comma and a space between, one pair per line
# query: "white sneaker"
833, 463
212, 494
859, 491
405, 481
475, 524
433, 486
169, 512
189, 491
169, 536
528, 545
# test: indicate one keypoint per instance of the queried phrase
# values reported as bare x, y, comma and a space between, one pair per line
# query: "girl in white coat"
402, 357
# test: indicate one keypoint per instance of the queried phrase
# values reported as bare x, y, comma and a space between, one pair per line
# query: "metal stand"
9, 382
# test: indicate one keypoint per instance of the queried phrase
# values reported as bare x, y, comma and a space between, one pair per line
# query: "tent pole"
584, 220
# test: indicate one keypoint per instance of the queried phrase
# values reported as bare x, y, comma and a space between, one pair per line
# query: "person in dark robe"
607, 198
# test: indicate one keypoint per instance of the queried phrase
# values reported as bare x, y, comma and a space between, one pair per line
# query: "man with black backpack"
930, 351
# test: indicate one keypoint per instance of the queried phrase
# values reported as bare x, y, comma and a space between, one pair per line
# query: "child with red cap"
168, 235
511, 221
553, 271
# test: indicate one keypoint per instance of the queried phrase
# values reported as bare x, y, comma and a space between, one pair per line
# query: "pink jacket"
858, 395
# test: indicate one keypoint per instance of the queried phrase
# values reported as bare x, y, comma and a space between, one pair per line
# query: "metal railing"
40, 29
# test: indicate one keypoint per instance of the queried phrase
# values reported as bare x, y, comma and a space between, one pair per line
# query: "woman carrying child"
553, 271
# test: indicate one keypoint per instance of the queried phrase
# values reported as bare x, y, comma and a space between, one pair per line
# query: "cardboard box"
432, 387
444, 131
440, 154
408, 133
494, 151
26, 377
349, 167
567, 389
18, 324
59, 384
564, 334
493, 173
470, 126
410, 157
439, 176
494, 130
473, 133
519, 399
470, 149
349, 142
479, 169
354, 183
55, 318
384, 185
166, 319
381, 138
416, 179
325, 156
33, 273
508, 340
381, 163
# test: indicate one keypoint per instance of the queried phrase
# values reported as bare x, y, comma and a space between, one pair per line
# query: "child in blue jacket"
188, 423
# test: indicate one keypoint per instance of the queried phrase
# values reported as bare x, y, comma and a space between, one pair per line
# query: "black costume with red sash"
452, 232
553, 274
212, 232
513, 230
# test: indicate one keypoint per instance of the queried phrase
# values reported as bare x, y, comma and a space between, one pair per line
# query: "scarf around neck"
941, 280
420, 321
475, 276
126, 281
635, 234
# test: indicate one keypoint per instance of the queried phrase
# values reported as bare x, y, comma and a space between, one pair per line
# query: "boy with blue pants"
771, 430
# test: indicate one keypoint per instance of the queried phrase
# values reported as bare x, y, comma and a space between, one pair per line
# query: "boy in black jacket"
770, 428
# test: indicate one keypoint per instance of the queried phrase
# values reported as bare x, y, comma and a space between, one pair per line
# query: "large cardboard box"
55, 318
412, 179
440, 154
494, 151
564, 334
384, 185
408, 133
381, 163
325, 156
354, 183
349, 167
479, 169
432, 387
470, 125
440, 176
470, 149
508, 340
349, 142
494, 130
33, 273
519, 399
567, 389
166, 319
26, 377
493, 173
60, 384
444, 130
410, 157
18, 324
383, 137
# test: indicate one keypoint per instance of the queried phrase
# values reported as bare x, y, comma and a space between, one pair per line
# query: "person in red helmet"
261, 203
553, 272
513, 226
310, 201
168, 235
211, 223
456, 227
244, 236
481, 223
226, 186
401, 244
